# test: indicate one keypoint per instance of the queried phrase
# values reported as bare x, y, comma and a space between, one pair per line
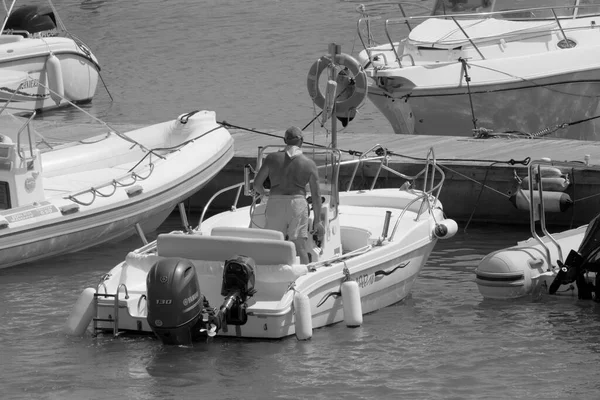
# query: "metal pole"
334, 50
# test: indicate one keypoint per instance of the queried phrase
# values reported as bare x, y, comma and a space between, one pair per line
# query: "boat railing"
22, 148
382, 156
432, 174
14, 32
127, 180
554, 15
238, 186
536, 204
376, 11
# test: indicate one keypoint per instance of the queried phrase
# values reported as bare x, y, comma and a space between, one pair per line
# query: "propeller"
212, 331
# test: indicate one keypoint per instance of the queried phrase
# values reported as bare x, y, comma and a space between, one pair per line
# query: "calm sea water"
248, 62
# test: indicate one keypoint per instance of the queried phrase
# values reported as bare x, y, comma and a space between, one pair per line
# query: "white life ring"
360, 82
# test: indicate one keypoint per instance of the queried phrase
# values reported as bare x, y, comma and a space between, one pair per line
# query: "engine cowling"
175, 303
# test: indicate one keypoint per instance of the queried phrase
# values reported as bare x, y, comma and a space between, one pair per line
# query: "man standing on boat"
289, 172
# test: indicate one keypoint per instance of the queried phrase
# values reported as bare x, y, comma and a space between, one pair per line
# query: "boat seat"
221, 248
249, 233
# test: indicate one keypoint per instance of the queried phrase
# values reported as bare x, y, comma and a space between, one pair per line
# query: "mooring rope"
468, 80
487, 133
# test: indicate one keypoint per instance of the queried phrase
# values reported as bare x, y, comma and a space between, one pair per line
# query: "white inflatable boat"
104, 188
561, 264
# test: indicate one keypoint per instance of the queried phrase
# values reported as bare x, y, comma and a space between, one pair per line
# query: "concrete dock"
480, 173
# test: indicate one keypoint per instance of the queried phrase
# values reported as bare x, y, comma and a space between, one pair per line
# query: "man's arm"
261, 176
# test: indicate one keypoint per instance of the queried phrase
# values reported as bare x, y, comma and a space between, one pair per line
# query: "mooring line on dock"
512, 161
475, 180
483, 186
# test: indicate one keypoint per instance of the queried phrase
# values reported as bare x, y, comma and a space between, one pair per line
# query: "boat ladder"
114, 319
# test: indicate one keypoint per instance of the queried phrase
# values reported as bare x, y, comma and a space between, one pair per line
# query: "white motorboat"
104, 188
478, 68
561, 264
235, 277
232, 277
42, 65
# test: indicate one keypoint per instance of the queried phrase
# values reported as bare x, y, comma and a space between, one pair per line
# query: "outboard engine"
175, 304
238, 285
578, 263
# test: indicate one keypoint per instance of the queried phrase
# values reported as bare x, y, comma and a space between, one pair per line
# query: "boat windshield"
564, 8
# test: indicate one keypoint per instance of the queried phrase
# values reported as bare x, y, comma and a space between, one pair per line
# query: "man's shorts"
288, 214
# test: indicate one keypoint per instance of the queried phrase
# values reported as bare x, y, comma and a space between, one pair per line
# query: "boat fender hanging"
552, 184
360, 83
351, 303
553, 201
446, 229
82, 313
302, 316
55, 78
549, 172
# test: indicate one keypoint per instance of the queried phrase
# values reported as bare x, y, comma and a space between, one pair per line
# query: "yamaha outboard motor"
238, 285
175, 304
578, 263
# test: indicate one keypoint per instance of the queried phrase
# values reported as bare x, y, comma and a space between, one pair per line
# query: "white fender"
351, 301
302, 316
553, 201
82, 313
551, 184
445, 229
55, 79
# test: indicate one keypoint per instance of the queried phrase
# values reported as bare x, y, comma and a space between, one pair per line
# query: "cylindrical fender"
351, 304
552, 184
302, 316
82, 313
55, 79
553, 201
360, 82
445, 229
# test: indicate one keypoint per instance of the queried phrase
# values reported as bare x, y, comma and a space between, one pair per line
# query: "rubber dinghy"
104, 188
537, 266
232, 277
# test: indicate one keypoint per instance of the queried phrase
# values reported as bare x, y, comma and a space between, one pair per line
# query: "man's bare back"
289, 176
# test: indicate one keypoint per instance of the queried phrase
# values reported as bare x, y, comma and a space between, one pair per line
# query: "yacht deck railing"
365, 29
